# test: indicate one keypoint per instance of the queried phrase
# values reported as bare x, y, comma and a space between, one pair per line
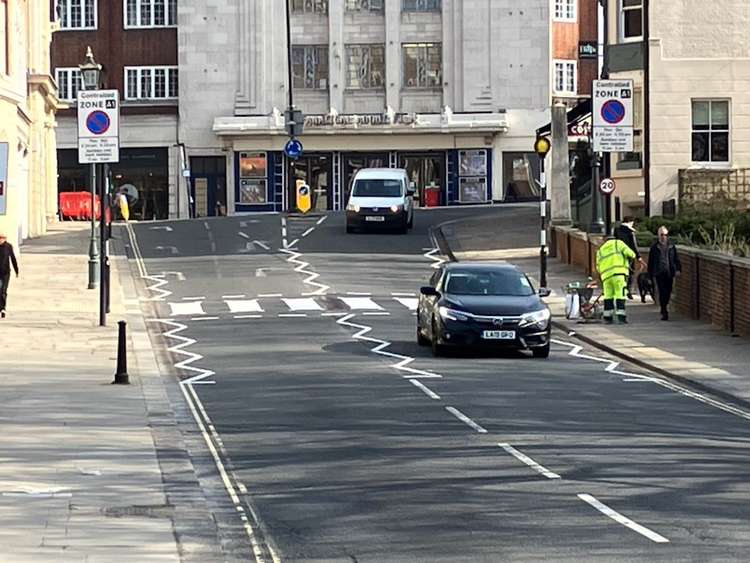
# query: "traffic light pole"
543, 225
290, 75
104, 259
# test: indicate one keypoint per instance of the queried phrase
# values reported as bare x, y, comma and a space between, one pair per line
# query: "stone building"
28, 102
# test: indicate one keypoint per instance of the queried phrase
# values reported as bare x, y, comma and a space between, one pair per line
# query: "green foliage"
723, 230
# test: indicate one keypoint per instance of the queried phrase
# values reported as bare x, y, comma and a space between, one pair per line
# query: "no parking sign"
613, 115
98, 126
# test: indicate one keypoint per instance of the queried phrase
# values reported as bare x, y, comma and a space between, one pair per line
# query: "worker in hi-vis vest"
613, 264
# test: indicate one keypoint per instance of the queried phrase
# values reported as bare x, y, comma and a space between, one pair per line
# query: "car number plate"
499, 334
376, 218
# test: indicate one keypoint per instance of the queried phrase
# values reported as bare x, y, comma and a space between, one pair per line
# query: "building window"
150, 13
365, 66
566, 77
77, 14
364, 5
710, 131
5, 47
151, 83
310, 6
565, 10
423, 65
68, 83
310, 67
421, 6
631, 20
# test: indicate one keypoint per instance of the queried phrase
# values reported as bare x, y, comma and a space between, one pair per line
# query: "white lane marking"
612, 368
323, 218
437, 261
243, 235
262, 244
402, 365
361, 304
167, 229
303, 268
205, 224
308, 231
404, 294
624, 520
427, 391
244, 306
189, 308
194, 298
191, 357
238, 296
333, 314
292, 244
410, 303
361, 293
248, 316
465, 419
302, 304
283, 232
205, 319
376, 314
528, 461
292, 315
269, 295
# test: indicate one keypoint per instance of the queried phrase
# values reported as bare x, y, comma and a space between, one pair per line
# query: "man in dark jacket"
664, 266
626, 233
7, 258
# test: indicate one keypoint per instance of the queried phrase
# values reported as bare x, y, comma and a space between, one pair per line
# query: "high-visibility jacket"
613, 259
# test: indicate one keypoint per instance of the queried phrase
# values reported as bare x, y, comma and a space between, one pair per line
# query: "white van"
380, 197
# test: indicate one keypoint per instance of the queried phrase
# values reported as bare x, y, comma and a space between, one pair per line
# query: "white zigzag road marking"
612, 368
191, 357
437, 260
380, 349
302, 268
159, 281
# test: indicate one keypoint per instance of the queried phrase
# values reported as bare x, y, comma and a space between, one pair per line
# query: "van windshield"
377, 188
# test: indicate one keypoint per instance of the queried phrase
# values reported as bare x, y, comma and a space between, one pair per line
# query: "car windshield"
499, 282
377, 188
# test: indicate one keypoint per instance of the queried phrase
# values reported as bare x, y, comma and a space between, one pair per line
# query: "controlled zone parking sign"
613, 115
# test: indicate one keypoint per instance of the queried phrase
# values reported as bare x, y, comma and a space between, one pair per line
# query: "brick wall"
713, 287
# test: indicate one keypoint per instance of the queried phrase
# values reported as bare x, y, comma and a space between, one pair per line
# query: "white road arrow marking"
172, 249
167, 229
262, 244
179, 275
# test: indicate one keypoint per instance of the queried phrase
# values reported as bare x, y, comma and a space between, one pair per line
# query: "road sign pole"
597, 224
93, 250
103, 260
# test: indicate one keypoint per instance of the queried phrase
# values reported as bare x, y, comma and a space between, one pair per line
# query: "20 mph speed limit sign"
607, 186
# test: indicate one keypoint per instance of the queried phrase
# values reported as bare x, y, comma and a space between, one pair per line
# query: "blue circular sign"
293, 149
98, 122
613, 112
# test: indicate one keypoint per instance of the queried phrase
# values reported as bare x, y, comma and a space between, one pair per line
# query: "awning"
575, 115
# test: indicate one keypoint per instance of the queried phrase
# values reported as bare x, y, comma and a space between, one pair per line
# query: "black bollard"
121, 375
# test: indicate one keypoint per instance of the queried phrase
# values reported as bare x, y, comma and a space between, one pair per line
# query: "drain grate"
142, 511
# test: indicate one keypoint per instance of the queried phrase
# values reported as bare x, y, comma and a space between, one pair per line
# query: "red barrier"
76, 206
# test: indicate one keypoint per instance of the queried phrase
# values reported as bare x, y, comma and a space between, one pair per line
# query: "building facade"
451, 90
28, 102
136, 42
689, 61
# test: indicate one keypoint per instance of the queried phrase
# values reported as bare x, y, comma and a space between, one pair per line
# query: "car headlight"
539, 318
452, 314
353, 207
396, 208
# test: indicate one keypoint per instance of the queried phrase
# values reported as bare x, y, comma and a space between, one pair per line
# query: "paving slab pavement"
80, 478
692, 352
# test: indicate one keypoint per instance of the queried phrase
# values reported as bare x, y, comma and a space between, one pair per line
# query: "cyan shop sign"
3, 177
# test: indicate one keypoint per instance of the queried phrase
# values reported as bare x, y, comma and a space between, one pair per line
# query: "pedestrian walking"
663, 267
613, 264
626, 233
7, 259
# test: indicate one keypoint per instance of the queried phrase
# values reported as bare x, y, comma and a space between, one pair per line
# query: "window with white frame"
566, 77
566, 10
310, 6
77, 14
150, 13
421, 6
631, 20
710, 140
423, 65
310, 67
151, 83
364, 5
68, 83
365, 66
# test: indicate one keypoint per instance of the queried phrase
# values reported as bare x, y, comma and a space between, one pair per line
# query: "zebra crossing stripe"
244, 306
188, 308
408, 302
361, 304
302, 304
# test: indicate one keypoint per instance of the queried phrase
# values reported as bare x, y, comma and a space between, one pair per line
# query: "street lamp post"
90, 76
542, 147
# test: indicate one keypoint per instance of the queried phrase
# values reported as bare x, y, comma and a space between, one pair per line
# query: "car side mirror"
429, 291
544, 292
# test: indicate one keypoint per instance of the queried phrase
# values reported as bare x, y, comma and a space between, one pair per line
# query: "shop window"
68, 83
77, 14
310, 67
710, 139
421, 5
357, 161
631, 20
423, 65
364, 5
519, 172
472, 182
253, 178
150, 13
310, 6
365, 66
566, 77
151, 83
565, 10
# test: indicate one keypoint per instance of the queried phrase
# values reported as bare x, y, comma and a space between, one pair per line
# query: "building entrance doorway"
208, 186
316, 171
424, 170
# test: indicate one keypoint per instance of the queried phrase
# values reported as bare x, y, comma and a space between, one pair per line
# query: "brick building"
136, 42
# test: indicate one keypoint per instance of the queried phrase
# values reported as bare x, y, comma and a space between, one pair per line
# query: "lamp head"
90, 71
542, 146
